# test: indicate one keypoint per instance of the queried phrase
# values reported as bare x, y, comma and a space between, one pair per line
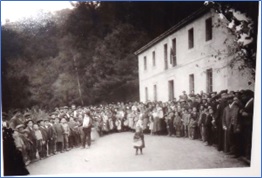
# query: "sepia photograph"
130, 88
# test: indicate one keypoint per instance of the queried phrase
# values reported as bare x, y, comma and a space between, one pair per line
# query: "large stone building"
191, 56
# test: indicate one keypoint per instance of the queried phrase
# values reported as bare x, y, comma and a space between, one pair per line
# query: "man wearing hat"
183, 103
12, 159
19, 143
247, 98
41, 124
222, 104
195, 103
51, 137
59, 138
27, 115
16, 120
184, 96
31, 136
231, 126
23, 142
86, 125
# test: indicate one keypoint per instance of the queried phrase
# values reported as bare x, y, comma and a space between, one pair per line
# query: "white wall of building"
189, 61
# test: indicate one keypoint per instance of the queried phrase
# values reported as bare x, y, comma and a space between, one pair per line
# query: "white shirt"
86, 121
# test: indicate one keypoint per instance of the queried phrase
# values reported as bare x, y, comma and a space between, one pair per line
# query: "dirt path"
114, 153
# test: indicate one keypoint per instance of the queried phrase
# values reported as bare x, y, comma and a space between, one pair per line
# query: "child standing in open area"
138, 140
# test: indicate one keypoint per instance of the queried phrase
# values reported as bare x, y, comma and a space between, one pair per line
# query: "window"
155, 93
171, 90
165, 56
145, 63
209, 80
146, 93
191, 83
154, 58
173, 53
191, 38
209, 29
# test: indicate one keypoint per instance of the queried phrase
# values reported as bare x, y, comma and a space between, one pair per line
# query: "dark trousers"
43, 152
247, 140
59, 146
72, 140
209, 135
51, 147
235, 146
220, 138
78, 139
32, 152
86, 137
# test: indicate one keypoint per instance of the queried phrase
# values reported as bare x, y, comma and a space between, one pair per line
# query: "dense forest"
82, 56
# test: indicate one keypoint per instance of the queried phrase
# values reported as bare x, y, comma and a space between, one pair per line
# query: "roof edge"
176, 27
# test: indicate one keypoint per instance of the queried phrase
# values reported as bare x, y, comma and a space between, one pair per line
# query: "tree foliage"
242, 20
43, 57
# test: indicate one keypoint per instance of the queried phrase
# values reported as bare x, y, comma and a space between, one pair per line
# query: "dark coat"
44, 133
13, 159
231, 118
59, 132
209, 130
31, 135
51, 132
218, 123
231, 121
249, 109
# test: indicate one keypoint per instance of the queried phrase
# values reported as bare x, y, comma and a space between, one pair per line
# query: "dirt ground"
115, 153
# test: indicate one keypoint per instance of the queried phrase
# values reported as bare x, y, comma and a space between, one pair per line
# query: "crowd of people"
221, 119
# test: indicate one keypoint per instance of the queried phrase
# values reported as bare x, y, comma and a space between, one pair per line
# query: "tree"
242, 23
113, 64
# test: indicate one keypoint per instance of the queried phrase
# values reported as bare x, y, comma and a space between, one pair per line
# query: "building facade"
191, 56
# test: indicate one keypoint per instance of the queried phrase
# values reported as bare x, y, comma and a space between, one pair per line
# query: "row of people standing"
224, 120
46, 137
219, 119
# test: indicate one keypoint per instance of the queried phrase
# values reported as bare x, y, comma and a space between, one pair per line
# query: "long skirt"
156, 125
179, 130
94, 134
203, 133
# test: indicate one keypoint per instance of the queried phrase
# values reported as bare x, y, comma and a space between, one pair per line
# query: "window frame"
145, 63
191, 38
209, 29
171, 90
154, 58
173, 52
191, 82
165, 56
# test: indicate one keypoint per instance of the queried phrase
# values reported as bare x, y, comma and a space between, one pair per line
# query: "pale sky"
15, 10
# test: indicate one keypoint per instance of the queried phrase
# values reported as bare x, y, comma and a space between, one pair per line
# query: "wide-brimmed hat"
39, 120
16, 111
19, 126
27, 114
227, 96
28, 120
